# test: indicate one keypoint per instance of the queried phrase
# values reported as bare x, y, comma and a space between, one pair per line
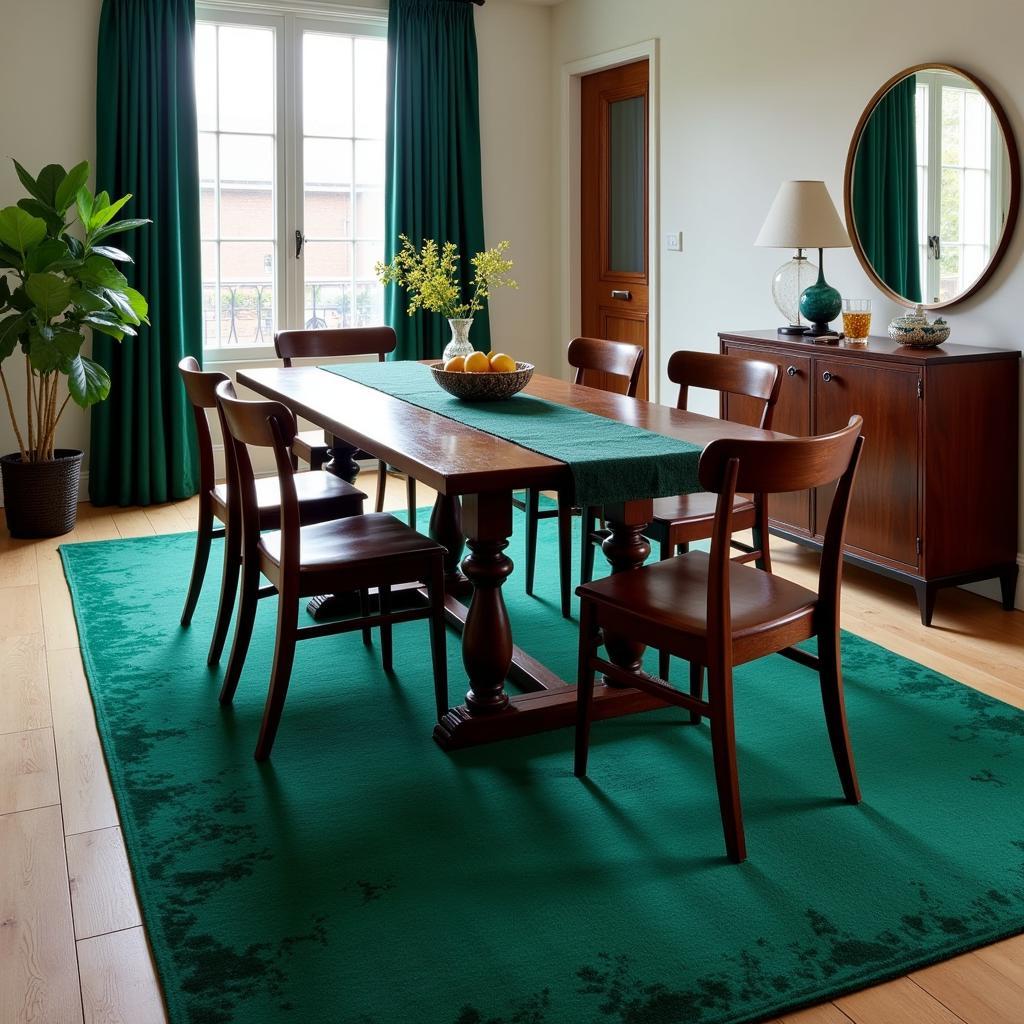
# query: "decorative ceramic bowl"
483, 387
915, 331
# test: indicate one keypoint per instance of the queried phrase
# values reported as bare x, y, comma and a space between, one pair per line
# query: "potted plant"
431, 277
54, 283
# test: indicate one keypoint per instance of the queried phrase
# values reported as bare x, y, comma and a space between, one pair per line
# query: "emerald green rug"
363, 876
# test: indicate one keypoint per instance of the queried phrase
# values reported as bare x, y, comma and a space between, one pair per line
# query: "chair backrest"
337, 341
201, 391
772, 467
729, 375
597, 355
261, 424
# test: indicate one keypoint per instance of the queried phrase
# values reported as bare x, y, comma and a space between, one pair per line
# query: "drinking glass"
856, 318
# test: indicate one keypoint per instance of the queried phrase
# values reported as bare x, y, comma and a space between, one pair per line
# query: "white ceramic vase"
460, 345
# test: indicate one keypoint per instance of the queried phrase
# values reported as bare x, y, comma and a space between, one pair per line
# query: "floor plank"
896, 1002
58, 614
19, 562
119, 984
85, 794
102, 893
1007, 957
827, 1013
974, 990
133, 522
166, 519
38, 970
28, 771
19, 611
24, 694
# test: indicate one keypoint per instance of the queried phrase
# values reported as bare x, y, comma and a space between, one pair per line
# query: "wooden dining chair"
339, 556
325, 343
716, 612
320, 496
604, 365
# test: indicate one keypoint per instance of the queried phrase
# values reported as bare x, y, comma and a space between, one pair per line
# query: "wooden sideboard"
935, 502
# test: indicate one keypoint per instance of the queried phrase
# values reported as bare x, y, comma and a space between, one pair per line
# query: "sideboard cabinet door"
884, 520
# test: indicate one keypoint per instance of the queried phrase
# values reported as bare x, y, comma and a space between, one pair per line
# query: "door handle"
791, 370
619, 293
826, 376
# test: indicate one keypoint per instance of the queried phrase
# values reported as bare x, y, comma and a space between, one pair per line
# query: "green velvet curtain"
143, 450
885, 190
434, 187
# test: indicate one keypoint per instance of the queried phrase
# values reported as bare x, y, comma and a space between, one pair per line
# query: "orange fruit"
457, 364
501, 363
491, 354
477, 363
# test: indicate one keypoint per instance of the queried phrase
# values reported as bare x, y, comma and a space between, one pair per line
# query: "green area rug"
363, 876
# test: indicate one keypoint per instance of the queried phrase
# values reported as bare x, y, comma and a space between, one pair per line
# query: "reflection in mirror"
931, 186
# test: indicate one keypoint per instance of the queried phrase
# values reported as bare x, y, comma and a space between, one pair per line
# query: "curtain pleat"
433, 187
885, 190
143, 449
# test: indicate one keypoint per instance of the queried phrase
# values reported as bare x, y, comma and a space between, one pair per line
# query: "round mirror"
932, 186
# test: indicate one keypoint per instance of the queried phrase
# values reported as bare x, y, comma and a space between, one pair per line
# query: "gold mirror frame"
1013, 158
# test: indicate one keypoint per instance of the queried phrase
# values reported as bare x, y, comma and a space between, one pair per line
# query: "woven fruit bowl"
483, 387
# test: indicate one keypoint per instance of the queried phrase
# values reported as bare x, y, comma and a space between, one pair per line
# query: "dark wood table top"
454, 458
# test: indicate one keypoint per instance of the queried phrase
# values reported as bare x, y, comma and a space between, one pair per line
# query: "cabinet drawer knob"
826, 376
791, 370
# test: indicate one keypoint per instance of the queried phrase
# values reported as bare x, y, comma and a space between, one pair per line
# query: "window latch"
935, 246
298, 243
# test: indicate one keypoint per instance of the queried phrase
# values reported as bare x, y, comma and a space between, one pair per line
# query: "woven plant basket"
41, 498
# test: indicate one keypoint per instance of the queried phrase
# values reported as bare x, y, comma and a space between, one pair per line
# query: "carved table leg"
487, 638
626, 548
446, 529
340, 462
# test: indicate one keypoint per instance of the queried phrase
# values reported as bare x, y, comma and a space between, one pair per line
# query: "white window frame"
288, 20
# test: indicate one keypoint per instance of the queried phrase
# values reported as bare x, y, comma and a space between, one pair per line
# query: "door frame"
570, 316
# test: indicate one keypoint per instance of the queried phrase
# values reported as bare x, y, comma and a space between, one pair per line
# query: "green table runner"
610, 461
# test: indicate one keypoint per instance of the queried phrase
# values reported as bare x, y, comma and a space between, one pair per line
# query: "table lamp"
802, 216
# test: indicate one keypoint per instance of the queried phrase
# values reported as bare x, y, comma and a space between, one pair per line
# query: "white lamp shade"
803, 217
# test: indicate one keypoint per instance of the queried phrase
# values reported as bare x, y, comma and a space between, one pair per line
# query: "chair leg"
723, 746
584, 688
666, 549
587, 546
565, 555
248, 598
386, 648
281, 673
696, 689
438, 639
204, 535
663, 664
228, 592
532, 513
364, 612
410, 500
831, 676
382, 483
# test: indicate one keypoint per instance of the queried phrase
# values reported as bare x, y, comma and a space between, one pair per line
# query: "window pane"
369, 304
246, 314
246, 186
209, 276
328, 305
369, 222
975, 217
246, 262
206, 77
977, 147
370, 163
207, 185
371, 92
246, 79
975, 261
626, 185
952, 125
327, 168
327, 262
367, 254
326, 84
949, 205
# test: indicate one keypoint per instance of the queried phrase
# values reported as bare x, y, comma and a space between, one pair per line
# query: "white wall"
51, 118
755, 93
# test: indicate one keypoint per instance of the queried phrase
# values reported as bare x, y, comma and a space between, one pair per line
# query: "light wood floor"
71, 944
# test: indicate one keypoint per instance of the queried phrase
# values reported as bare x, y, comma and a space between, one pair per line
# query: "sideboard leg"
926, 593
1008, 585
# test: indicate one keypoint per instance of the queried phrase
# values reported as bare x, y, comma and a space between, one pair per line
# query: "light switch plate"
674, 241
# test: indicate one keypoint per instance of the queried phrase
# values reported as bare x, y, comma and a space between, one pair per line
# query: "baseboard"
990, 588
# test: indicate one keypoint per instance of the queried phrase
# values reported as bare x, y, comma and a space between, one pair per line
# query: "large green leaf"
11, 329
106, 214
98, 270
68, 343
130, 224
20, 230
90, 300
28, 181
88, 382
43, 354
112, 253
49, 292
9, 259
117, 333
45, 256
68, 189
120, 301
83, 202
54, 221
50, 179
139, 304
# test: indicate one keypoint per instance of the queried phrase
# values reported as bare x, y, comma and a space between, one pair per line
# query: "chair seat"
689, 507
673, 594
321, 495
351, 543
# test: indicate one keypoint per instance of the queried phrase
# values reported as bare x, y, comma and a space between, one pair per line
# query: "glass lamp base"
788, 284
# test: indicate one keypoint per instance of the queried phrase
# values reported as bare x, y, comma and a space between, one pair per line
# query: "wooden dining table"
474, 474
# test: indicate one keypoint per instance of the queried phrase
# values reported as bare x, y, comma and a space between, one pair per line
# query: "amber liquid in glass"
856, 325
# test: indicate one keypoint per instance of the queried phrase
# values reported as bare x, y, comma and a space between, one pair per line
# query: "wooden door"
884, 518
613, 212
792, 511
